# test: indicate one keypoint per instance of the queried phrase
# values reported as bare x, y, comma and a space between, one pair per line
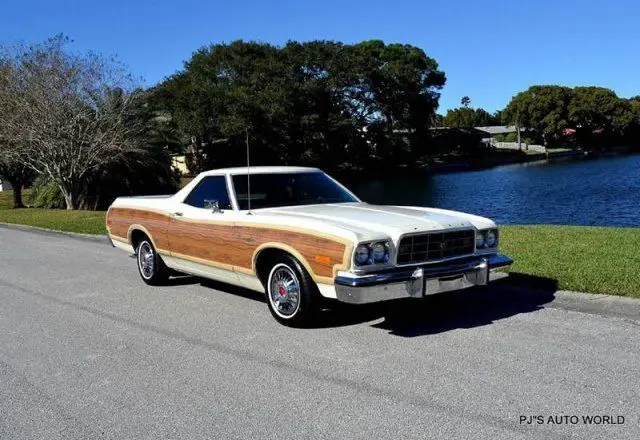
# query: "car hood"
375, 221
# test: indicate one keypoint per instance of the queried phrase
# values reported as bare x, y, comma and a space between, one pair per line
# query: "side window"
210, 190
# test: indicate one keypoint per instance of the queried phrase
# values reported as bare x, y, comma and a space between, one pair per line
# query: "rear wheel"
292, 295
150, 265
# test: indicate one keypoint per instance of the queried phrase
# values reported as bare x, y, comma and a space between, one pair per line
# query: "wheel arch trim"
137, 227
291, 251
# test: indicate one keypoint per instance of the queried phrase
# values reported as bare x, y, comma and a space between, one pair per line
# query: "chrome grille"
418, 248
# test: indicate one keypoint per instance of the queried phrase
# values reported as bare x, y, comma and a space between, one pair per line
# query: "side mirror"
213, 205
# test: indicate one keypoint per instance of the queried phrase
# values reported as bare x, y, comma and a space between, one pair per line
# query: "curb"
597, 304
591, 303
52, 232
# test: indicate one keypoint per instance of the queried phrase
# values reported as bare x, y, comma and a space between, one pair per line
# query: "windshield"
289, 189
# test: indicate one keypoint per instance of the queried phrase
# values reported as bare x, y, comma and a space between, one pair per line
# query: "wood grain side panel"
119, 220
215, 243
235, 246
227, 245
321, 253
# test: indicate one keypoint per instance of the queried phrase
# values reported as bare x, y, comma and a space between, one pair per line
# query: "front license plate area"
445, 284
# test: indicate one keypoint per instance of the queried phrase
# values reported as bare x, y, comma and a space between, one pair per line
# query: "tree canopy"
543, 109
596, 114
319, 102
465, 117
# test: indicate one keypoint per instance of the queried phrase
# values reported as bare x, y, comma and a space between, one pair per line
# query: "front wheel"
150, 265
292, 295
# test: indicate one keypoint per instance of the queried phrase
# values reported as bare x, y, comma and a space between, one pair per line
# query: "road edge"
52, 232
597, 304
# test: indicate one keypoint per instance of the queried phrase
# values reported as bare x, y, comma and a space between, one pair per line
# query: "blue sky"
490, 50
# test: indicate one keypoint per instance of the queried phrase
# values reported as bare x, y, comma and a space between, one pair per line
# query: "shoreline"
446, 165
517, 158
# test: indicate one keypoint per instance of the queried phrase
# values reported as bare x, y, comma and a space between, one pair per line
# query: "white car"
299, 235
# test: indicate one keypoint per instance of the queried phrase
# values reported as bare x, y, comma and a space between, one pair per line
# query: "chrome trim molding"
417, 282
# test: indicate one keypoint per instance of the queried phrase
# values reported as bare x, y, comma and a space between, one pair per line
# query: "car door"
201, 231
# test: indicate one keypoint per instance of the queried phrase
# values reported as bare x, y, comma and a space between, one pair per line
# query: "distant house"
495, 130
493, 135
4, 185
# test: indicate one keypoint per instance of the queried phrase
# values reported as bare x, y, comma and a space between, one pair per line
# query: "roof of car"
261, 170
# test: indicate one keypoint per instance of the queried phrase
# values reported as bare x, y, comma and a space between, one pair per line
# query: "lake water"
602, 192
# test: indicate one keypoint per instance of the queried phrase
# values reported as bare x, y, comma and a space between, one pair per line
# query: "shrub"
45, 194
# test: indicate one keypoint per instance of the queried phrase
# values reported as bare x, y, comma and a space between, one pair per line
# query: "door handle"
178, 214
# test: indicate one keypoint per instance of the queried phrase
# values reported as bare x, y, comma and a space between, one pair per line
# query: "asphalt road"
89, 351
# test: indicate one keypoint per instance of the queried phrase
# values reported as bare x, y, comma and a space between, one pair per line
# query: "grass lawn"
586, 259
84, 222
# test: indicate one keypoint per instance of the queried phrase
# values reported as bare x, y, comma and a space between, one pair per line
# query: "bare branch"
65, 115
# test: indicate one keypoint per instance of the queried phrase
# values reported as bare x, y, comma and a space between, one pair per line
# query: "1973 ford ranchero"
301, 235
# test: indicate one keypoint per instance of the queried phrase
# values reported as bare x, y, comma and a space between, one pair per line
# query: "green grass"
586, 259
6, 200
84, 222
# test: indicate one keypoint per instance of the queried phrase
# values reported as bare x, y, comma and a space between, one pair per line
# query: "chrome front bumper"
417, 282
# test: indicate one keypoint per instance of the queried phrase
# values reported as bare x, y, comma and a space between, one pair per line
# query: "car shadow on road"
181, 280
186, 280
469, 308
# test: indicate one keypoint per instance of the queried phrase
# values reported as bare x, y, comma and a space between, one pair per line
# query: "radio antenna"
248, 174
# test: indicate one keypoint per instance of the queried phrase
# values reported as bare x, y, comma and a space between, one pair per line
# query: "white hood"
374, 222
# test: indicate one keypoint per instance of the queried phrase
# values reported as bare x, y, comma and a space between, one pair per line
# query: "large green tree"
544, 110
396, 86
597, 110
318, 102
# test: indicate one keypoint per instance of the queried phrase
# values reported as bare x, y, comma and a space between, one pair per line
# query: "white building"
4, 185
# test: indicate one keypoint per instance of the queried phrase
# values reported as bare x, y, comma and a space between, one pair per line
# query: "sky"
489, 50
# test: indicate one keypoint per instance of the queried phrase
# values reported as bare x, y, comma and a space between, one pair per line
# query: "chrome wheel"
284, 291
146, 260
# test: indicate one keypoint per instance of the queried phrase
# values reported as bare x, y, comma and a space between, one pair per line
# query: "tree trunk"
70, 199
70, 202
17, 193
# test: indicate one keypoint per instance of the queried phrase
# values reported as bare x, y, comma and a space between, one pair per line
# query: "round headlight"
362, 254
492, 238
379, 252
480, 240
